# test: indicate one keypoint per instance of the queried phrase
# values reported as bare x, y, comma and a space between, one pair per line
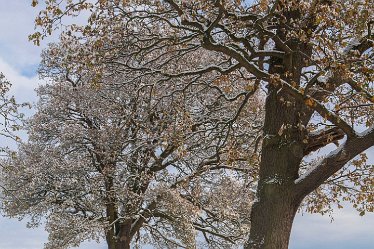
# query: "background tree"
10, 120
9, 115
124, 162
315, 69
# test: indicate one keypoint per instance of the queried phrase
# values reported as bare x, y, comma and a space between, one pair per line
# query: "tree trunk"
282, 151
122, 240
124, 236
273, 212
271, 222
111, 211
110, 239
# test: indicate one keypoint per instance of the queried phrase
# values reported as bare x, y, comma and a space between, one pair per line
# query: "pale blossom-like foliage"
10, 116
105, 155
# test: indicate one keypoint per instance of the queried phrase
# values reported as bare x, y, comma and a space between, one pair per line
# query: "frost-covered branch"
334, 161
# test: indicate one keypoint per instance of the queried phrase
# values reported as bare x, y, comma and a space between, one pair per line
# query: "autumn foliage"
197, 123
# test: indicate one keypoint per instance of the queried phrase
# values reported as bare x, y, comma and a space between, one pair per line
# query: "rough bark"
273, 213
282, 151
111, 213
124, 236
122, 240
280, 190
272, 221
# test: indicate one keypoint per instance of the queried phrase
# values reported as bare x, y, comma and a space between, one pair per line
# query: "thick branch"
322, 138
333, 162
250, 67
313, 104
138, 223
356, 86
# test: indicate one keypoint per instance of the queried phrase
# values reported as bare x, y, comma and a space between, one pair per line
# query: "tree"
118, 161
315, 69
10, 119
9, 115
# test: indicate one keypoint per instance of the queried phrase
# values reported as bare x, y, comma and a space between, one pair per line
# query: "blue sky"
19, 60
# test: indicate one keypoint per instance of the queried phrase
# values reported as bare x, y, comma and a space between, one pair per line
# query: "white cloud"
15, 235
347, 230
11, 232
17, 22
22, 87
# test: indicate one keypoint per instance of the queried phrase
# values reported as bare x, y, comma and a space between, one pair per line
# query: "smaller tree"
10, 119
127, 162
9, 114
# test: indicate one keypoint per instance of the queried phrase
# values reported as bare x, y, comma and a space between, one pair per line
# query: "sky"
19, 60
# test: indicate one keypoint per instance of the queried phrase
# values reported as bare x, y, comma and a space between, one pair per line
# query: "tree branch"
322, 138
356, 86
314, 104
333, 162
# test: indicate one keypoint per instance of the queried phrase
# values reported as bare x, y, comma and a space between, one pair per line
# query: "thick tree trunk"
271, 222
277, 203
282, 151
123, 244
111, 211
120, 243
122, 240
124, 236
110, 240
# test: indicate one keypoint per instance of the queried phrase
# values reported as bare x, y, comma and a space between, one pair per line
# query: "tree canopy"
123, 161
